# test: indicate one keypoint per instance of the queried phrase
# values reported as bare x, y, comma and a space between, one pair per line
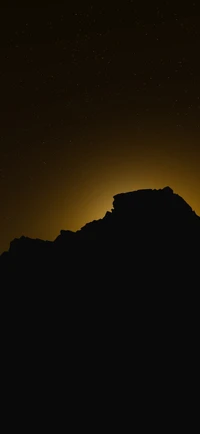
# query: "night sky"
96, 98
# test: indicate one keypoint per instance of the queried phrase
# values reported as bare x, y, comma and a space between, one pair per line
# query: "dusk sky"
97, 98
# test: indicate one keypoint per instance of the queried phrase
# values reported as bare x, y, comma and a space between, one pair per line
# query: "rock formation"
147, 232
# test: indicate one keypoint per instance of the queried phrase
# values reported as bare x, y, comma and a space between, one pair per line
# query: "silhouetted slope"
146, 230
114, 304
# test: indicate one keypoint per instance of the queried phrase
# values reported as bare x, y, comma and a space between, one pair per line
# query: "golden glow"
120, 163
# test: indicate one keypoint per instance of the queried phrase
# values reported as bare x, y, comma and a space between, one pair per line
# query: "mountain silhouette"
147, 231
112, 305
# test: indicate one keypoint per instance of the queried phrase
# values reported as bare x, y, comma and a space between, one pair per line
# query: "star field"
96, 98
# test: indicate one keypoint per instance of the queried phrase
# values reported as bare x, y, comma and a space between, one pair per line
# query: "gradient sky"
96, 98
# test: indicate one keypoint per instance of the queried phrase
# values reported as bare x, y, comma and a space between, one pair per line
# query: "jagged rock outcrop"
145, 229
121, 295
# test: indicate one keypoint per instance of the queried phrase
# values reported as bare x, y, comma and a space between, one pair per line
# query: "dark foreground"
116, 302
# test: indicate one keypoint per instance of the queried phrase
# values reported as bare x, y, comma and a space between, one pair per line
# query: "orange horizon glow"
69, 201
